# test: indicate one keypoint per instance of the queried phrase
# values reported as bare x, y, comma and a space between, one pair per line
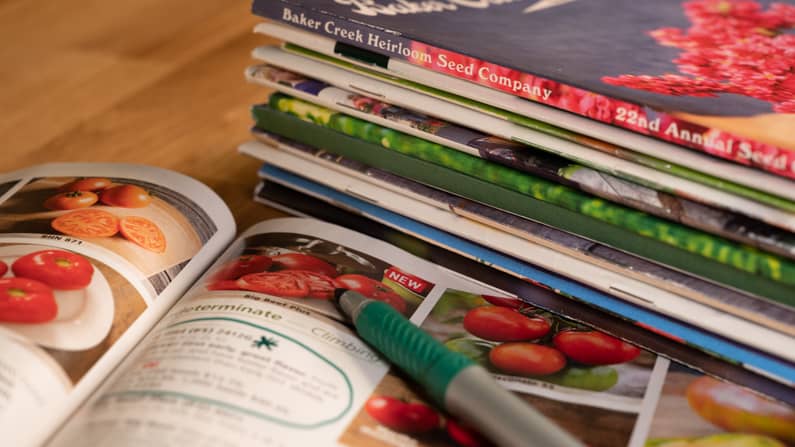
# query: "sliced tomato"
143, 232
3, 268
87, 223
275, 283
320, 286
24, 300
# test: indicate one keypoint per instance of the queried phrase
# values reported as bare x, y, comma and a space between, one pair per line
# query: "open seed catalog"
129, 316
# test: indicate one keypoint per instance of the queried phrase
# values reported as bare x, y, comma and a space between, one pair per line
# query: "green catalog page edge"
475, 189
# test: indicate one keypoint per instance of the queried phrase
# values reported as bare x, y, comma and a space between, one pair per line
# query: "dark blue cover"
576, 42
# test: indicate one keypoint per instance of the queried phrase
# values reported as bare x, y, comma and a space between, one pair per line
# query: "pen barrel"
474, 396
415, 352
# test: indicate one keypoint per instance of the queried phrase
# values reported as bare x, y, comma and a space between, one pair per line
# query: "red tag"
411, 282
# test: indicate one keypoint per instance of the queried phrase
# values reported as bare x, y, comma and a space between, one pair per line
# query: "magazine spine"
626, 115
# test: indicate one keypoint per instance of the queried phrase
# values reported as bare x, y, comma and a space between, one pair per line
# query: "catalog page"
257, 353
91, 256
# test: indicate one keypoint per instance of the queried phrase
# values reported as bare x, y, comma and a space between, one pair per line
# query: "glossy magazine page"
680, 406
696, 75
91, 256
607, 158
257, 353
526, 195
294, 157
545, 164
631, 292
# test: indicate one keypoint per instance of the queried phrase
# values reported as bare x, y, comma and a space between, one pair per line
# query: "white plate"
80, 327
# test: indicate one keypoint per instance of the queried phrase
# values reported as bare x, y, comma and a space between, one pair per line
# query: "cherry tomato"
24, 300
87, 223
402, 416
71, 200
275, 283
301, 261
503, 324
243, 266
320, 286
371, 289
127, 196
143, 232
86, 184
737, 409
526, 359
3, 268
58, 269
464, 435
594, 347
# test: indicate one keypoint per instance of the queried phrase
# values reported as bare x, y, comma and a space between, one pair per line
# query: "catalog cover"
685, 72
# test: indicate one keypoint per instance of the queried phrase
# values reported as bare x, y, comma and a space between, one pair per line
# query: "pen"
455, 382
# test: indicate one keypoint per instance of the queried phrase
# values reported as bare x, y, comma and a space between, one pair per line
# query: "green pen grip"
415, 352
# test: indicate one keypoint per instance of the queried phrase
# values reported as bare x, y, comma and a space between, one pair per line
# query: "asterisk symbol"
265, 341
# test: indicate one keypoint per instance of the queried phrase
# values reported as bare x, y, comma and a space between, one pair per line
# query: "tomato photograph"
594, 347
699, 410
152, 227
243, 265
309, 269
24, 300
303, 261
127, 196
71, 200
64, 304
504, 324
59, 269
514, 338
526, 359
93, 184
402, 416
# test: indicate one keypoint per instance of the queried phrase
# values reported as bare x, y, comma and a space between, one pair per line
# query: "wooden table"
144, 81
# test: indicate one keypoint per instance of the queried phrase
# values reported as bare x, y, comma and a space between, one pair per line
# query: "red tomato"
3, 268
24, 300
371, 289
58, 269
503, 324
243, 266
402, 416
594, 347
143, 232
737, 409
320, 286
464, 435
526, 359
127, 196
86, 184
301, 261
275, 283
87, 223
362, 284
71, 200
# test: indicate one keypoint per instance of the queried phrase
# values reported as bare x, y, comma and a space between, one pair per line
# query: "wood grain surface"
142, 81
